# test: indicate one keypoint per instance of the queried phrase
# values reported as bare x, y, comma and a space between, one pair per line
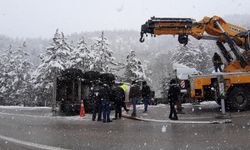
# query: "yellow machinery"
237, 67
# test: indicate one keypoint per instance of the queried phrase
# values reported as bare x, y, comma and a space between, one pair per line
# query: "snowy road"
26, 131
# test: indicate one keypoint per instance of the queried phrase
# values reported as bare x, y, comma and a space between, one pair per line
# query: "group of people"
136, 93
102, 95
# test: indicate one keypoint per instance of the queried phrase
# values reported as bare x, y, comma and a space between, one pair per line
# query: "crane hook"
183, 39
142, 38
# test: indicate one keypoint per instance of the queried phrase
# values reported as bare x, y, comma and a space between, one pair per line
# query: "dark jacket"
217, 59
134, 91
173, 93
146, 91
95, 94
118, 94
105, 92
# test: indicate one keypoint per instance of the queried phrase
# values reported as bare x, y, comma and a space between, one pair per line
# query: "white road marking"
180, 121
188, 122
30, 144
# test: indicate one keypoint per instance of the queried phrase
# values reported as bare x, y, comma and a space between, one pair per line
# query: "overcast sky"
40, 18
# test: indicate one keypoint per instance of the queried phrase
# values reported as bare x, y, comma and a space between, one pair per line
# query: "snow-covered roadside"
205, 104
35, 112
48, 116
141, 106
24, 108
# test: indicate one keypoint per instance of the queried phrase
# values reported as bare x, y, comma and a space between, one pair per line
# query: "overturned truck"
72, 87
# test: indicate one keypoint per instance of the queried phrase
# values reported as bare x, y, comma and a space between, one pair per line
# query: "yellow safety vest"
124, 87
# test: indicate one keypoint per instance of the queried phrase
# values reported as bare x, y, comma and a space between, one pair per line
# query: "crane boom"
214, 28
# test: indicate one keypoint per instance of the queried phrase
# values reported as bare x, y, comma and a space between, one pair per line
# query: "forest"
28, 66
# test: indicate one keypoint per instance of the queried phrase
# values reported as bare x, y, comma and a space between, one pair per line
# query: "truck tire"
238, 98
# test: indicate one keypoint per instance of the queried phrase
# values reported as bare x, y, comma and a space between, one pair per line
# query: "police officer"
173, 93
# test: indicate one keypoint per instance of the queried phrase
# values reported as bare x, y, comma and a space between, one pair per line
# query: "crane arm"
172, 26
207, 28
214, 28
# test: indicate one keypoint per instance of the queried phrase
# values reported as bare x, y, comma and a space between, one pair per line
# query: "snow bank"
24, 108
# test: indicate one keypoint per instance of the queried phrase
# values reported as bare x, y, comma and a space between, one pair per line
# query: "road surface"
37, 129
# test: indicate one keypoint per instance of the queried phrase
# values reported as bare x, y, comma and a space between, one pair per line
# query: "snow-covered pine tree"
103, 55
23, 86
5, 78
160, 68
1, 69
205, 58
133, 68
81, 57
192, 56
164, 82
56, 59
15, 83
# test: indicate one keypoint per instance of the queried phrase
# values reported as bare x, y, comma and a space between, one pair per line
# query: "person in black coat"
173, 93
97, 105
217, 62
118, 96
146, 92
105, 94
134, 96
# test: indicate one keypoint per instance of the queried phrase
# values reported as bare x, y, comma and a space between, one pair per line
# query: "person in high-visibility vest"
124, 87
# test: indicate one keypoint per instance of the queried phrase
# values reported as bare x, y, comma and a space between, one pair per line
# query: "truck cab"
182, 73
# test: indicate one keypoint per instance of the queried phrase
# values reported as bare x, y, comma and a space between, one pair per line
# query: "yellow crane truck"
236, 73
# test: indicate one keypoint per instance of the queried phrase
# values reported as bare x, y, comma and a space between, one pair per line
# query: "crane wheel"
238, 98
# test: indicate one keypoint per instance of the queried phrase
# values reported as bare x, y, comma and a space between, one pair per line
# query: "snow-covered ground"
37, 112
45, 112
23, 108
205, 104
